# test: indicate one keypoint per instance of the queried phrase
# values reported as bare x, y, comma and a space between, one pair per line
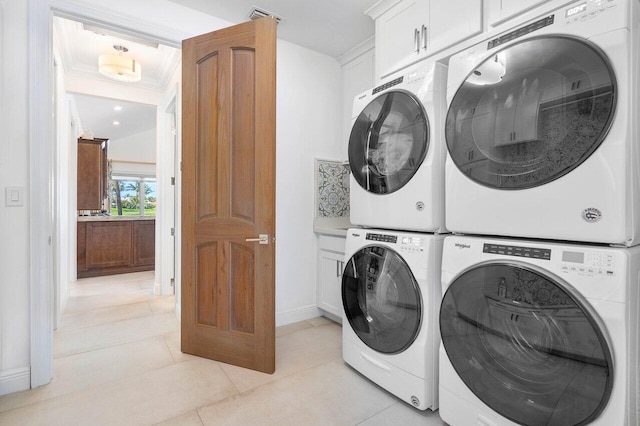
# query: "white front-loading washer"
542, 129
391, 295
538, 333
396, 152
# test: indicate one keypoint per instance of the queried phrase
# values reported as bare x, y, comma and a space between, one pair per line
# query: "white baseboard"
297, 315
15, 380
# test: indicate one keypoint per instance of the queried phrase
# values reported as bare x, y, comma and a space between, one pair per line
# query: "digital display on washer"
382, 238
534, 253
544, 22
573, 256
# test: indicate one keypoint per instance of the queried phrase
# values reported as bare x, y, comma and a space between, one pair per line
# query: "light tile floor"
118, 362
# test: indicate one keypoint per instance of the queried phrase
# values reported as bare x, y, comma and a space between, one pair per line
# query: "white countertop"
113, 218
337, 232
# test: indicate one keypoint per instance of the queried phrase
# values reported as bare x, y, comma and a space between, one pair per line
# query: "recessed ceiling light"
116, 123
117, 108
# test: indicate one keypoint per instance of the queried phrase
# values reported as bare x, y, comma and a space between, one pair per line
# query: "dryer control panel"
589, 264
412, 244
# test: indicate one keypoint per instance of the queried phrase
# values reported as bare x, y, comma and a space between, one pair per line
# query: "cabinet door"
108, 244
452, 21
90, 164
330, 267
501, 10
398, 35
144, 242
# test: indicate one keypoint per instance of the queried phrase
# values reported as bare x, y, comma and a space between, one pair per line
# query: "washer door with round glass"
388, 142
381, 299
526, 346
531, 112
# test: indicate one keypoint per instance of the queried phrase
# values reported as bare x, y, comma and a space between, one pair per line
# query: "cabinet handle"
416, 40
424, 37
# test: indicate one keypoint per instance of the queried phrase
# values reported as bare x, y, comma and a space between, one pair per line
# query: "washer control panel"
590, 264
404, 243
382, 238
535, 253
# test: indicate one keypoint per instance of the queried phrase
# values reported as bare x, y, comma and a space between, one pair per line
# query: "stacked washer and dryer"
534, 300
539, 317
391, 282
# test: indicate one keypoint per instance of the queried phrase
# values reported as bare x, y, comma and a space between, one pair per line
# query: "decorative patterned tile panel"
332, 193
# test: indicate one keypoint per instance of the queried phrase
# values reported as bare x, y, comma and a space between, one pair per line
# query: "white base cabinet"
329, 281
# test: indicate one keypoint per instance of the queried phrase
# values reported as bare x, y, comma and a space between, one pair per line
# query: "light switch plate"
14, 196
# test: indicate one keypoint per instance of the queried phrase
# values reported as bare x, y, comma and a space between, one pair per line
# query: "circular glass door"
525, 346
388, 142
531, 112
381, 299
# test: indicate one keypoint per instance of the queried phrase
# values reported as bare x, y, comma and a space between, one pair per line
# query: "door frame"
43, 145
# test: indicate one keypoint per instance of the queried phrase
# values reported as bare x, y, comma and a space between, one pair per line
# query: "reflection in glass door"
381, 299
388, 142
526, 346
531, 112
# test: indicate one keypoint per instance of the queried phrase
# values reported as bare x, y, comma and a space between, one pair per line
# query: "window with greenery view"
133, 196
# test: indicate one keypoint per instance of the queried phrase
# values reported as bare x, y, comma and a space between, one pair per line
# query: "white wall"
140, 147
308, 123
14, 221
307, 126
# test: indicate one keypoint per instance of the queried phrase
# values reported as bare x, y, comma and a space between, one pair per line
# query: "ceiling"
331, 27
79, 48
98, 114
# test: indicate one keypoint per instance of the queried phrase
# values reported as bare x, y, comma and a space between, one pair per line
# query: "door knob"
262, 239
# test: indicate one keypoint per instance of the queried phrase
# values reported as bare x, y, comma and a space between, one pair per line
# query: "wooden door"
228, 195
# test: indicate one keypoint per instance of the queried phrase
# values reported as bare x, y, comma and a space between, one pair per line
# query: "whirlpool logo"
462, 245
591, 215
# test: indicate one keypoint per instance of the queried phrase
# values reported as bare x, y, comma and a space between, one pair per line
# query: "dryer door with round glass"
381, 299
526, 346
388, 142
531, 112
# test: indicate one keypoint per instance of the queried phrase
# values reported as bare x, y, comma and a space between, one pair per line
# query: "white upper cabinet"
502, 10
410, 30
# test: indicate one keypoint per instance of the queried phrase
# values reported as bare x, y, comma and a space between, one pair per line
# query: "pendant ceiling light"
119, 67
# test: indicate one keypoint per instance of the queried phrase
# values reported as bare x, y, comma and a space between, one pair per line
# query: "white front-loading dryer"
542, 128
396, 152
391, 295
538, 333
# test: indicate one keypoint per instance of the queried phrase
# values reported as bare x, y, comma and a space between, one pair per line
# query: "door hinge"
181, 166
173, 180
173, 232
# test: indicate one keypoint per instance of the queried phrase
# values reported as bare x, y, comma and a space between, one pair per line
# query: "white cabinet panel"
502, 10
452, 21
398, 35
330, 265
410, 30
